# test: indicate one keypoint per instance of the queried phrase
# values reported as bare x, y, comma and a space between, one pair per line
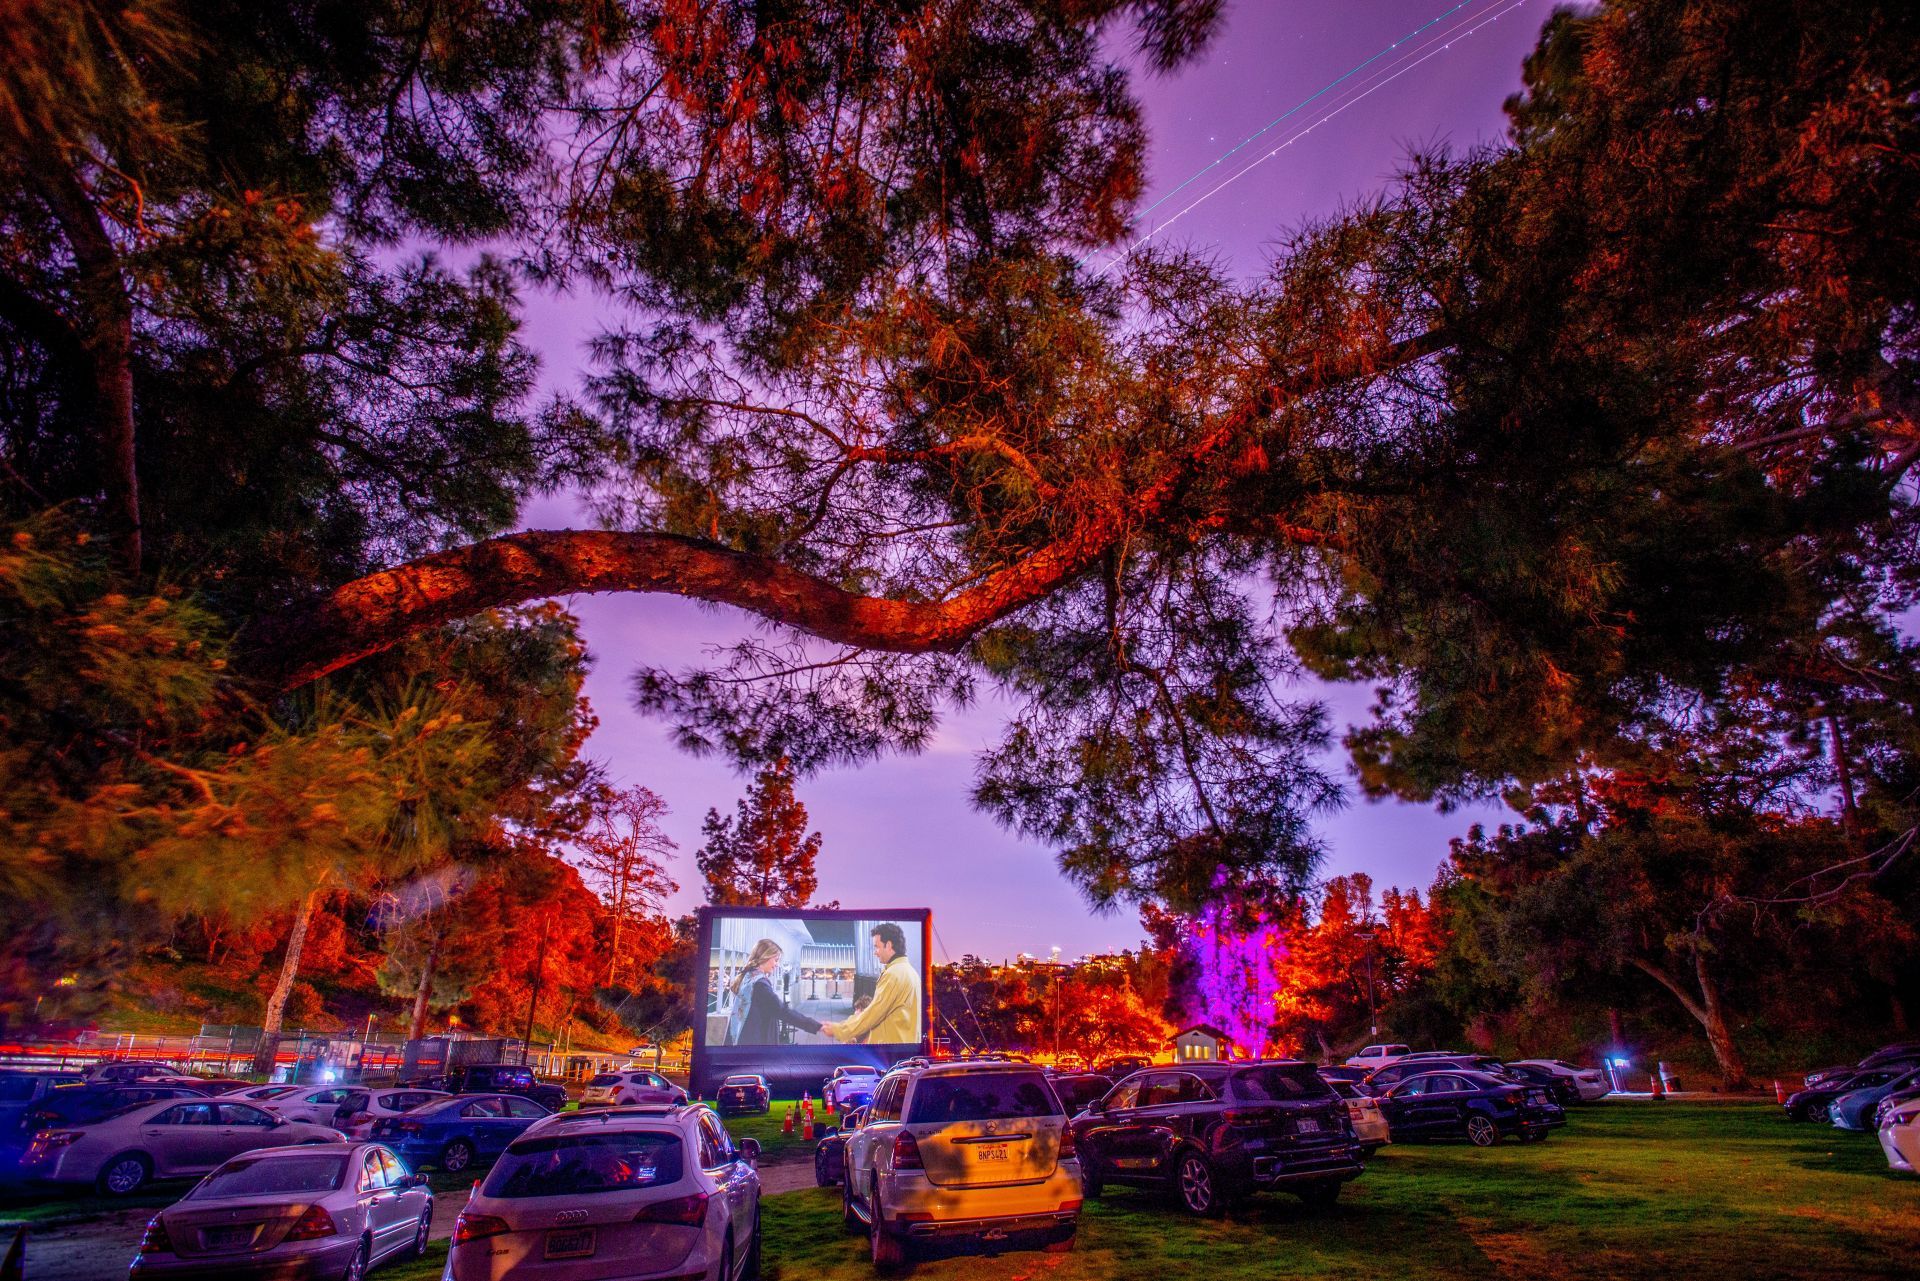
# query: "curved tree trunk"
1708, 1008
417, 1025
289, 971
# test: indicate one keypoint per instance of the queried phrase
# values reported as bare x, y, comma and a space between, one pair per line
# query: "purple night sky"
899, 832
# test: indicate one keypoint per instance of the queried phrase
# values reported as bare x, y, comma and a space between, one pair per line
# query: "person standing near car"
894, 1016
758, 1011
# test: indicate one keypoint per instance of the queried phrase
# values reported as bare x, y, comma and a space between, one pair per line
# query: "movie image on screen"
804, 980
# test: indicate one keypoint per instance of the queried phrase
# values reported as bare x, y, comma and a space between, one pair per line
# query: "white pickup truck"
1377, 1056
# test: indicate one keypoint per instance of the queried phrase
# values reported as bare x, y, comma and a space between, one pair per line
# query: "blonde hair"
755, 959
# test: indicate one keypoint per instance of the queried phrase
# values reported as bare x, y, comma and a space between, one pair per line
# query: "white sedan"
1900, 1137
361, 1108
615, 1192
172, 1139
313, 1104
1592, 1083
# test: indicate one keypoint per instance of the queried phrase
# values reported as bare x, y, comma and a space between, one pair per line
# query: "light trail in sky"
1384, 77
1297, 107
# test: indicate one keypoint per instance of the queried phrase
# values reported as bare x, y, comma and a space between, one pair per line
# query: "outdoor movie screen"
815, 978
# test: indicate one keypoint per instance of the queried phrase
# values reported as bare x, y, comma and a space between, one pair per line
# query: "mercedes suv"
971, 1150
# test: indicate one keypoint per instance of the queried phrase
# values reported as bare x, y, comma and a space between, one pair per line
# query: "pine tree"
620, 855
762, 856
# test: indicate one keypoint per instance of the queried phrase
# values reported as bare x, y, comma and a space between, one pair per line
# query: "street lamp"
1373, 1012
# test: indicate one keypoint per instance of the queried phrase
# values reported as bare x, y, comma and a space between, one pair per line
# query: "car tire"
855, 1226
421, 1233
886, 1249
750, 1270
456, 1156
357, 1265
1063, 1242
1091, 1184
1198, 1185
1481, 1131
124, 1174
820, 1179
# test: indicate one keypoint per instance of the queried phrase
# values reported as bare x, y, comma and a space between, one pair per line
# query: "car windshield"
273, 1176
1274, 1084
605, 1078
985, 1096
575, 1164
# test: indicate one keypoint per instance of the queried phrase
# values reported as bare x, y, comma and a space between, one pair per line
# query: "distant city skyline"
900, 831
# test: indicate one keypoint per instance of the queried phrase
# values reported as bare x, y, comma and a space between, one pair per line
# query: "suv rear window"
985, 1096
1276, 1084
575, 1164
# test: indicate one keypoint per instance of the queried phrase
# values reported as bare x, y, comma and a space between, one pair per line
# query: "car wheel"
422, 1231
820, 1177
1482, 1132
124, 1175
1091, 1184
1199, 1191
1320, 1196
1063, 1242
854, 1225
357, 1265
750, 1271
1819, 1113
456, 1156
888, 1250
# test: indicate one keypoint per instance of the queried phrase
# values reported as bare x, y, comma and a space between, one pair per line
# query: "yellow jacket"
894, 1016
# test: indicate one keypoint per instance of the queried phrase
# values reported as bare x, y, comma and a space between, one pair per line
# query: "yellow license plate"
993, 1152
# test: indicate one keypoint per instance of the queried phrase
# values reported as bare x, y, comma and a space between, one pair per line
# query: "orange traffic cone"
1779, 1094
1656, 1087
806, 1131
788, 1127
826, 1102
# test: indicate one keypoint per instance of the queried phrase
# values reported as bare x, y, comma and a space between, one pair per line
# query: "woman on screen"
758, 1010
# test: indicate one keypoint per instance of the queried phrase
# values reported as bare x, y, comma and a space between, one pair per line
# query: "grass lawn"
1700, 1190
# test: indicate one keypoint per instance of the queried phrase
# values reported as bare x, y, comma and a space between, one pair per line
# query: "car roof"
626, 1117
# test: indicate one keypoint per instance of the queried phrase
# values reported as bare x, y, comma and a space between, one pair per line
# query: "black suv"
502, 1078
1217, 1132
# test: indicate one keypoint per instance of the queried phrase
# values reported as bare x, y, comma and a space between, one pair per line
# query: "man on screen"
894, 1016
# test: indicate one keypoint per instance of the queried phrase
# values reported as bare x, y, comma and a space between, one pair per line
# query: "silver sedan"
170, 1139
334, 1211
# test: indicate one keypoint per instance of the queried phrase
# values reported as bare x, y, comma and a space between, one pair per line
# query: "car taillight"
313, 1225
906, 1152
408, 1127
1066, 1142
47, 1140
685, 1211
1514, 1097
156, 1240
358, 1117
474, 1227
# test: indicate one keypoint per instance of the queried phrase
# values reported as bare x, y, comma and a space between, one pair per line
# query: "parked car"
1341, 1072
1561, 1089
963, 1150
329, 1210
631, 1085
357, 1112
1900, 1137
258, 1094
171, 1139
71, 1105
1591, 1083
1363, 1113
1811, 1104
456, 1132
1379, 1081
502, 1078
743, 1092
1854, 1110
1886, 1107
1216, 1133
848, 1082
1119, 1065
123, 1071
1476, 1106
1377, 1056
1079, 1089
1899, 1054
613, 1192
21, 1091
317, 1104
830, 1150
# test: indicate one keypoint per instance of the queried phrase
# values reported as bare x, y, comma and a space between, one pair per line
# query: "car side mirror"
750, 1149
414, 1181
279, 1121
1096, 1106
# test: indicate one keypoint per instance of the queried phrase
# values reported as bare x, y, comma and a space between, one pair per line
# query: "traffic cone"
1779, 1093
826, 1102
806, 1131
788, 1127
1655, 1087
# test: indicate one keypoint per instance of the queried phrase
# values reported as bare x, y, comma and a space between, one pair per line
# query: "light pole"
1373, 1012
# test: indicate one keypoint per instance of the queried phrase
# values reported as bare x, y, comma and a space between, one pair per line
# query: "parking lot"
1629, 1188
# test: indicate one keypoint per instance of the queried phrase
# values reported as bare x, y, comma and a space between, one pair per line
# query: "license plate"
1307, 1125
991, 1152
218, 1238
574, 1244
